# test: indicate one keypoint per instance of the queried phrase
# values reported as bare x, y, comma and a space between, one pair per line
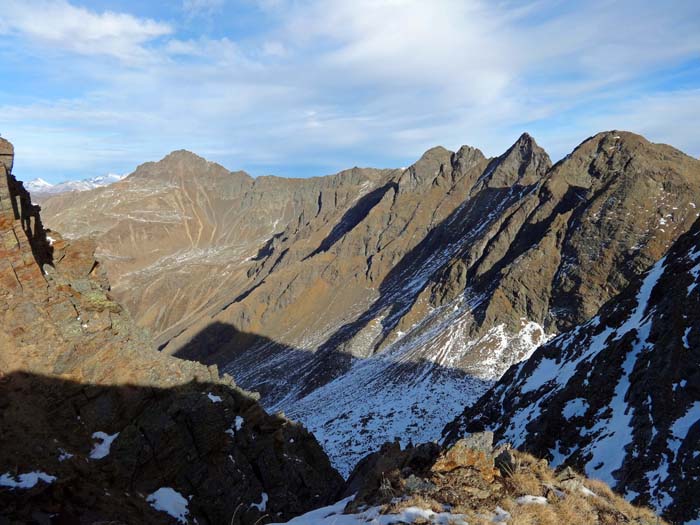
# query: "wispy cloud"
58, 24
202, 7
314, 86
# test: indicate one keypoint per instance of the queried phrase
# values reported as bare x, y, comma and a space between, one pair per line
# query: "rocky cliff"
619, 396
97, 426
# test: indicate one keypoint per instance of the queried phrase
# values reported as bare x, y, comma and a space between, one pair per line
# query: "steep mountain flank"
178, 236
97, 426
619, 396
477, 293
421, 286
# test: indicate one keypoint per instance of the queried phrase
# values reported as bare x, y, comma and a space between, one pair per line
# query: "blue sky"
309, 87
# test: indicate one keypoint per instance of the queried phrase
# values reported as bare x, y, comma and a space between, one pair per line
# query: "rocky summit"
97, 426
360, 302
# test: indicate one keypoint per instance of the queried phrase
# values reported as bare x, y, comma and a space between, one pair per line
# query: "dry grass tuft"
468, 492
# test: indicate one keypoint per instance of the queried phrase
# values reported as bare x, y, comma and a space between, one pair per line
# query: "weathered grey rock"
482, 441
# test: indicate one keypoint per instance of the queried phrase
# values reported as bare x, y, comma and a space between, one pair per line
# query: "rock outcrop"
97, 426
476, 484
619, 396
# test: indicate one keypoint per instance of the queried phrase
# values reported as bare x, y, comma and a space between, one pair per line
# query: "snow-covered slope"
333, 515
618, 397
409, 391
39, 188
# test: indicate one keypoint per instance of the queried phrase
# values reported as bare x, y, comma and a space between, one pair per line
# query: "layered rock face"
97, 426
371, 297
619, 396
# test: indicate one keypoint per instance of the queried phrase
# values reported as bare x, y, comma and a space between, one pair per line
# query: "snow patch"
213, 398
170, 501
25, 481
531, 500
262, 506
587, 492
679, 429
63, 456
575, 408
333, 515
103, 445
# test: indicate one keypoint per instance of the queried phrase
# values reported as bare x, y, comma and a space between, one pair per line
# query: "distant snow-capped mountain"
40, 187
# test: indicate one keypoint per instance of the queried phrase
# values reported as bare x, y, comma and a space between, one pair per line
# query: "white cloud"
456, 45
669, 117
58, 24
336, 83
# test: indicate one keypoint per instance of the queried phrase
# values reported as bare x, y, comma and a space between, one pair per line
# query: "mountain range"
539, 301
41, 189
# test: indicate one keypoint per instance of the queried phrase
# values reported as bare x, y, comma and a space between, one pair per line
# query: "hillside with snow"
41, 189
619, 396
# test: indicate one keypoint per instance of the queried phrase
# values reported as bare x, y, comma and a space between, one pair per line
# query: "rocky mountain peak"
183, 165
433, 163
434, 153
185, 156
465, 158
523, 164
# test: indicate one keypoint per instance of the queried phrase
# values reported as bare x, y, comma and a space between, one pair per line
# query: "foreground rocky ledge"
472, 483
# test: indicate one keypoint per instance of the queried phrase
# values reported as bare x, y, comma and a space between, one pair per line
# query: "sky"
309, 87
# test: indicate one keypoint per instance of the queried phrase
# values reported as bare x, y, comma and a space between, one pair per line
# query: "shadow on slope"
98, 451
354, 216
378, 399
404, 283
257, 357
